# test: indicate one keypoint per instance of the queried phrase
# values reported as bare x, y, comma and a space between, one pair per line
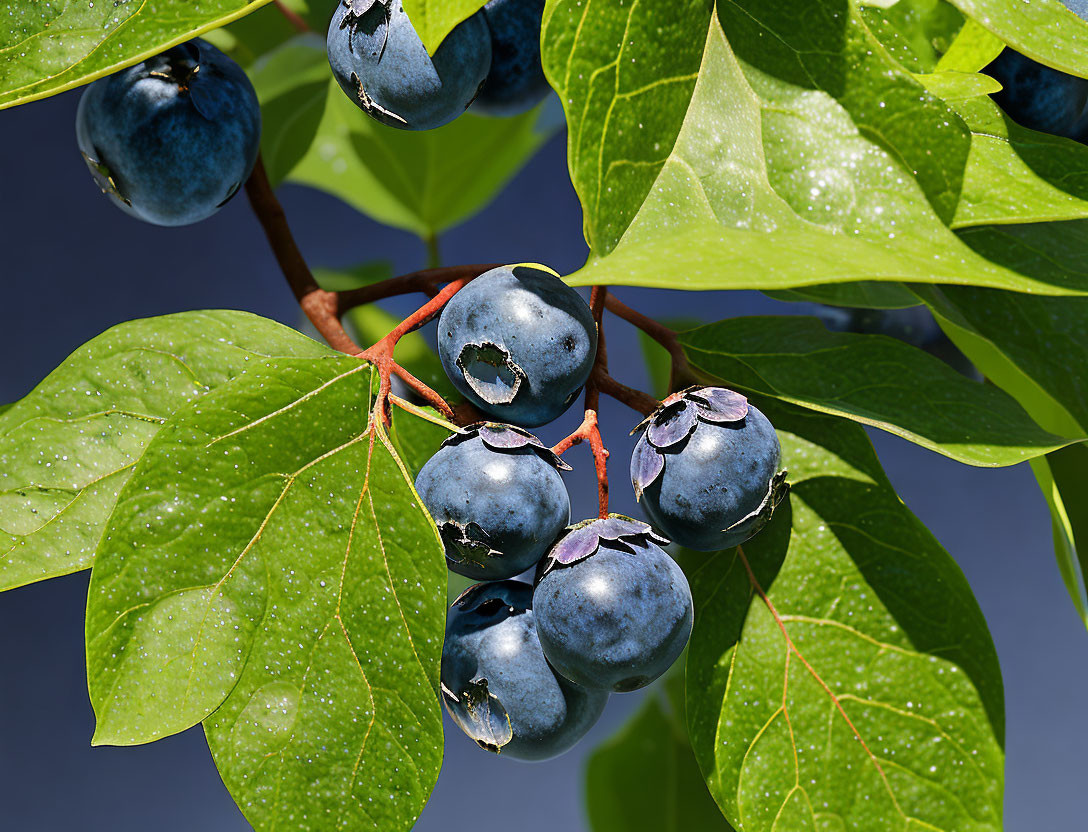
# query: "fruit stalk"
381, 354
321, 307
589, 431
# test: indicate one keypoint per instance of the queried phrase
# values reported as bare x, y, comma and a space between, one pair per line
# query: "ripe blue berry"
172, 139
497, 497
518, 343
613, 610
1039, 97
496, 683
705, 469
380, 62
516, 82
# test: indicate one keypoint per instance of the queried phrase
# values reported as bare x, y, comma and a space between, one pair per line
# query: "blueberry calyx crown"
506, 438
583, 540
674, 421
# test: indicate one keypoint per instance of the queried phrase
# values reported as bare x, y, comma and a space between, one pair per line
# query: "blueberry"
516, 82
498, 499
1039, 97
172, 139
705, 469
613, 611
518, 343
380, 62
496, 683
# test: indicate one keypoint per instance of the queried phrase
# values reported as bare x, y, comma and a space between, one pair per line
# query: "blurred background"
72, 265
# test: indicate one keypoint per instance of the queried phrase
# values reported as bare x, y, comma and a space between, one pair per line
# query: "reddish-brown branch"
293, 17
426, 282
641, 402
589, 431
324, 309
381, 354
681, 374
321, 307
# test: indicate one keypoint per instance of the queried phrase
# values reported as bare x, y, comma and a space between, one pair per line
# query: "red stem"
589, 431
293, 17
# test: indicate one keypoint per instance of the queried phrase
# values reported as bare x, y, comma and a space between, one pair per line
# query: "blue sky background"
72, 265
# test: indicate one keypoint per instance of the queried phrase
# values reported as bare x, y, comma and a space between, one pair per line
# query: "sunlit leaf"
770, 155
271, 570
67, 449
49, 47
1045, 30
434, 19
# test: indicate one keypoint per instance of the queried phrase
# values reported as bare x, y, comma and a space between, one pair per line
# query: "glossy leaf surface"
754, 152
49, 47
872, 379
270, 570
67, 449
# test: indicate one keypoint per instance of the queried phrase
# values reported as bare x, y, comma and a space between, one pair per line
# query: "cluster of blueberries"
172, 139
527, 667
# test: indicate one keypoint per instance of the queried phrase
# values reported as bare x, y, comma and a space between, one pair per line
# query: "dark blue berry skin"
518, 343
516, 497
172, 139
714, 480
614, 621
380, 62
493, 670
1039, 97
516, 82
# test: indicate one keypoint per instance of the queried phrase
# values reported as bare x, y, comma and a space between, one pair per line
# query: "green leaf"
864, 294
761, 161
69, 446
1061, 478
293, 87
270, 570
869, 696
916, 32
1016, 175
645, 779
434, 19
1026, 346
872, 379
1042, 29
424, 182
973, 49
952, 86
47, 48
